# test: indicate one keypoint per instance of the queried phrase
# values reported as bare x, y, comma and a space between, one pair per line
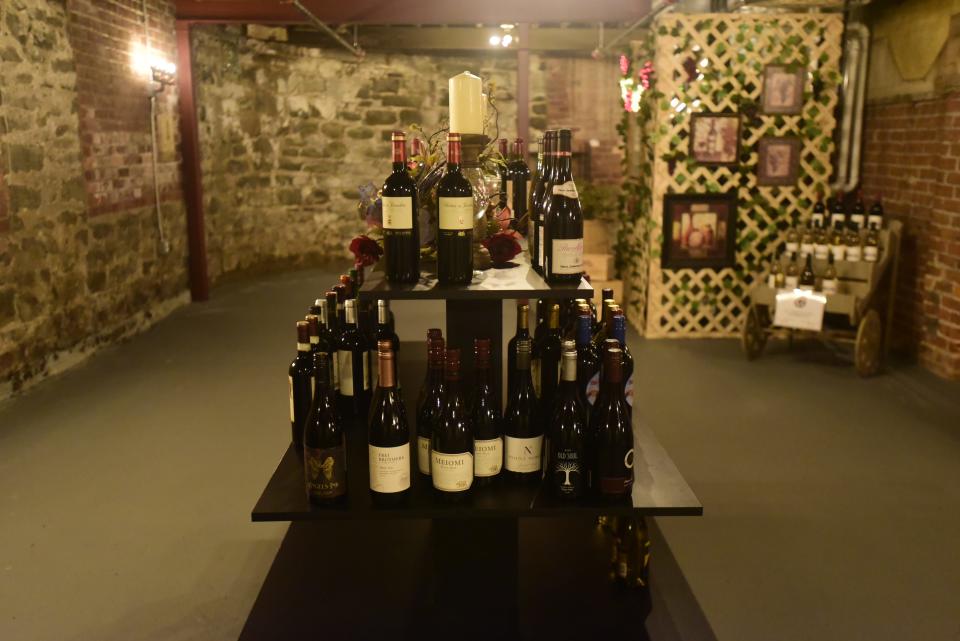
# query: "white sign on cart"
800, 309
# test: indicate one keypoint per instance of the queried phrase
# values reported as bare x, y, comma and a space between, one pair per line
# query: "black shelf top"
518, 281
658, 490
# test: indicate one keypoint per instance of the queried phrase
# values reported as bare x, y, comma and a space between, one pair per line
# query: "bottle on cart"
838, 213
793, 238
807, 241
523, 333
563, 220
776, 277
324, 442
612, 431
353, 355
388, 442
300, 384
821, 242
808, 280
854, 252
486, 418
588, 362
829, 283
858, 213
567, 472
793, 272
838, 242
619, 333
817, 216
518, 186
523, 428
401, 227
451, 452
428, 412
871, 244
455, 238
875, 217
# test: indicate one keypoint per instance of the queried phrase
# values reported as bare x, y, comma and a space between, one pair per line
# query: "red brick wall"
912, 159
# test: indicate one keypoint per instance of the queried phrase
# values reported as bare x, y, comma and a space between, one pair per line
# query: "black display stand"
476, 569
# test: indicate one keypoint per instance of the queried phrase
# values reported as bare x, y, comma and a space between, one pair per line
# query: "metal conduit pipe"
855, 90
322, 26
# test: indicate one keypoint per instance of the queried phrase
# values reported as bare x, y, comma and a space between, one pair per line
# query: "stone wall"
80, 261
288, 133
912, 159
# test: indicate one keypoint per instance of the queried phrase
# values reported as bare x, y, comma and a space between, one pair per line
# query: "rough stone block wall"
288, 133
80, 261
912, 158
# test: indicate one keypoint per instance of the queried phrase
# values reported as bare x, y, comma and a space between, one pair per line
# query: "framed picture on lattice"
699, 231
779, 160
782, 91
715, 138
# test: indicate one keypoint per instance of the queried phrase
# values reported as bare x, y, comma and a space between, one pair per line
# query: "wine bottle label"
345, 358
853, 254
523, 454
875, 221
397, 212
488, 457
806, 248
821, 252
567, 472
817, 220
837, 219
326, 472
857, 218
792, 246
423, 455
456, 213
290, 386
808, 288
628, 391
870, 253
791, 282
567, 190
540, 245
829, 286
771, 281
567, 256
621, 480
838, 251
593, 388
451, 472
389, 468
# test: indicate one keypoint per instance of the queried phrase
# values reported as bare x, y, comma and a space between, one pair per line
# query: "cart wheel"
753, 338
866, 354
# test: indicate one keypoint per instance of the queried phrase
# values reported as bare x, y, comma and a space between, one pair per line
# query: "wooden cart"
857, 298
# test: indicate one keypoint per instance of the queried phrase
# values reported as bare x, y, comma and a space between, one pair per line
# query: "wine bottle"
518, 186
807, 278
793, 272
588, 364
793, 238
619, 333
354, 357
535, 193
838, 213
852, 239
821, 242
871, 244
830, 284
612, 432
455, 240
523, 333
818, 210
432, 333
385, 332
858, 214
401, 229
775, 280
429, 411
324, 442
546, 186
806, 241
838, 244
545, 361
563, 221
875, 217
300, 385
568, 446
503, 172
485, 418
603, 329
451, 453
388, 435
313, 323
523, 429
331, 337
342, 297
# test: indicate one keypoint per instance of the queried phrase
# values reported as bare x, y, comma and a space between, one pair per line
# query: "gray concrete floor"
126, 483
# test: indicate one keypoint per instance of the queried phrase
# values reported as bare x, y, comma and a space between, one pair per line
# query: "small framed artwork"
782, 90
715, 138
779, 162
699, 230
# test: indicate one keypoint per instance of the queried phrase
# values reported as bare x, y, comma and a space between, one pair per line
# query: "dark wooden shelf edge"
401, 513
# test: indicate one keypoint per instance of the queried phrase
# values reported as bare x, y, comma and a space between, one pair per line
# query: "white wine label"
567, 190
345, 358
488, 457
397, 212
857, 218
567, 256
870, 253
875, 221
290, 388
838, 251
390, 468
853, 254
771, 281
792, 247
829, 286
593, 388
821, 252
456, 213
303, 347
808, 288
817, 220
806, 248
791, 282
423, 455
451, 472
523, 454
628, 391
837, 219
540, 251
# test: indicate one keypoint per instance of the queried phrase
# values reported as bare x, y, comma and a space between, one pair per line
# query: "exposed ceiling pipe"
851, 127
642, 22
324, 27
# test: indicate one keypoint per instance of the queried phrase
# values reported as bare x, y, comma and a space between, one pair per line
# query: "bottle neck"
350, 315
584, 330
386, 370
453, 155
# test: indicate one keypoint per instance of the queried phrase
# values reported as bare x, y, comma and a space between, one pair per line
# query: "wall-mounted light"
504, 38
152, 66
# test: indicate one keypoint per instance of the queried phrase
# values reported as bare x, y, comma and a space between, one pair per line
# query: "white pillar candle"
466, 104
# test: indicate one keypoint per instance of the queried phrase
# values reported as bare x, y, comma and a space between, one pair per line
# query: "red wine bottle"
588, 363
388, 440
354, 356
434, 392
523, 332
324, 443
541, 197
523, 429
300, 386
612, 431
535, 191
455, 238
486, 418
619, 333
563, 221
401, 229
342, 297
545, 360
567, 472
331, 337
384, 332
504, 174
313, 322
518, 185
451, 451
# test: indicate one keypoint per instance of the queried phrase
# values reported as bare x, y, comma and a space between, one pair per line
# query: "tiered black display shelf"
459, 567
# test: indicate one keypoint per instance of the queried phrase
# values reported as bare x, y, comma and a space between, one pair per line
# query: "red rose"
502, 247
365, 250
